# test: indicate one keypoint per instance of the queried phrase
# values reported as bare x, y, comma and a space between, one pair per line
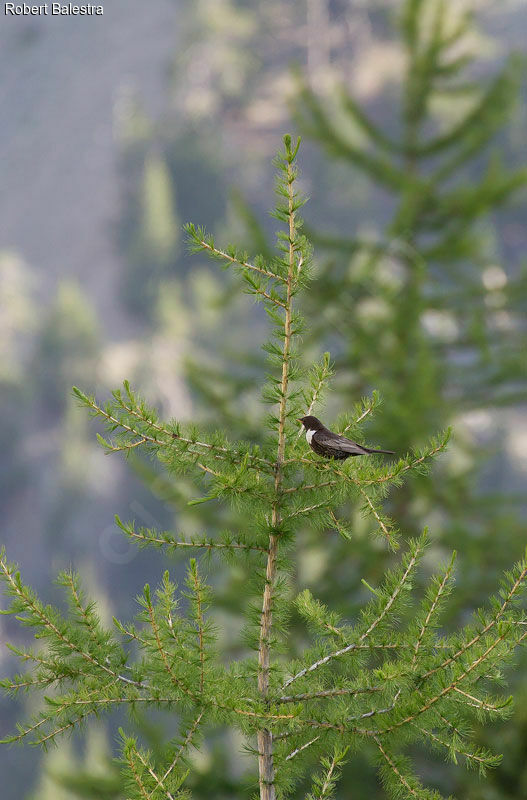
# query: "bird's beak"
299, 420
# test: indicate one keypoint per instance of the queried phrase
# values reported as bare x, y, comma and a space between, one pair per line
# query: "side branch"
156, 434
378, 619
478, 636
147, 536
216, 252
396, 771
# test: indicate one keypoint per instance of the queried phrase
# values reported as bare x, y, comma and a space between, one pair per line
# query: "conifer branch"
362, 416
308, 487
120, 448
376, 711
42, 740
433, 606
302, 747
398, 774
146, 536
91, 701
307, 509
325, 785
482, 704
159, 781
481, 760
317, 123
314, 398
267, 296
217, 451
137, 777
431, 701
177, 682
414, 463
199, 617
296, 698
369, 405
321, 374
102, 412
15, 685
491, 624
417, 550
25, 681
381, 522
199, 241
394, 475
188, 740
18, 590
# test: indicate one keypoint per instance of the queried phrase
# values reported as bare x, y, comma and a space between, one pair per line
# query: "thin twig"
298, 750
164, 657
137, 777
440, 590
359, 418
448, 745
245, 264
387, 532
182, 749
307, 509
158, 780
267, 296
477, 702
394, 769
329, 774
295, 698
314, 398
376, 711
207, 545
200, 630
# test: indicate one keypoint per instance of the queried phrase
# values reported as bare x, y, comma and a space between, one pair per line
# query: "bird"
332, 445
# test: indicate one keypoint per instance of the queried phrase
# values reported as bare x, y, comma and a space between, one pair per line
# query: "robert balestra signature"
52, 9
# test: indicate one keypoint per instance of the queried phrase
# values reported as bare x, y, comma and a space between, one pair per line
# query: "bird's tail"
385, 452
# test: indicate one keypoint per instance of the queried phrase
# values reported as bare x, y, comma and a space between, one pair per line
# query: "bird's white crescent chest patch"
309, 436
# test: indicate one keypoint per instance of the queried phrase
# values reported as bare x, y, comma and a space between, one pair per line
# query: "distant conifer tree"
425, 301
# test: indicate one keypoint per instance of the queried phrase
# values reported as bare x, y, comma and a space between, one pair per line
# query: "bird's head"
311, 423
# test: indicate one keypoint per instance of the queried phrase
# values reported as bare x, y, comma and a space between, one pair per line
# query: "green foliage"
428, 308
324, 783
68, 346
390, 680
433, 246
154, 236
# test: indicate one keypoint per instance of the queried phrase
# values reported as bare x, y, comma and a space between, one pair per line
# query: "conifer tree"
377, 684
427, 306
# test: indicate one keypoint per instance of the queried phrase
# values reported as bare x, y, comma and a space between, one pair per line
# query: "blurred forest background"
115, 131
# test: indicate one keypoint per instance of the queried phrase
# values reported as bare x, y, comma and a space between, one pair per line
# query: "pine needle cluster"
380, 683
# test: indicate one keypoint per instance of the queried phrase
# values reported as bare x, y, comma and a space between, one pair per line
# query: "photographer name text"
52, 9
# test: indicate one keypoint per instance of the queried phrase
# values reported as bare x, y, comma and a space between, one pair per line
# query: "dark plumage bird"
332, 445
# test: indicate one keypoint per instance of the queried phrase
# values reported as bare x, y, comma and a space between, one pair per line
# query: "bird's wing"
333, 441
